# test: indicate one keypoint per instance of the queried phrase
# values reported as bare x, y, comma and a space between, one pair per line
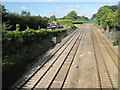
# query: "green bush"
15, 41
73, 27
65, 22
21, 48
117, 41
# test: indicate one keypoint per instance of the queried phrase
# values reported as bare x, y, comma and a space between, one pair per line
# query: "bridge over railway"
84, 59
84, 21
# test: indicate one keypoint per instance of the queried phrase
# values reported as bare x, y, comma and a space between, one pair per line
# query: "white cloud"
24, 8
58, 7
73, 6
3, 0
54, 12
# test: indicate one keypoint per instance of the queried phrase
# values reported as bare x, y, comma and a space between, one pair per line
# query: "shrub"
117, 41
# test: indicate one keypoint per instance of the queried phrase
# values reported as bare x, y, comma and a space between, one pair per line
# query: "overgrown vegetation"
20, 48
108, 18
117, 40
65, 22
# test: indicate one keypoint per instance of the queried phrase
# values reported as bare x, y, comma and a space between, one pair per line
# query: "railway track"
106, 60
35, 66
84, 56
101, 72
55, 56
85, 75
109, 49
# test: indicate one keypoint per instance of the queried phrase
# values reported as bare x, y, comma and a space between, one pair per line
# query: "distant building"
53, 25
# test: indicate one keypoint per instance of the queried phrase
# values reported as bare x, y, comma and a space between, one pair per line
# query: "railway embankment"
23, 48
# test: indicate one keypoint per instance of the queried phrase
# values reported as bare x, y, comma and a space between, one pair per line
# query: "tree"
82, 18
24, 19
114, 7
3, 9
25, 13
53, 18
72, 15
93, 17
108, 17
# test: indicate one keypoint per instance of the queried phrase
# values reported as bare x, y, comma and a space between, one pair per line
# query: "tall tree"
72, 15
53, 18
25, 13
108, 17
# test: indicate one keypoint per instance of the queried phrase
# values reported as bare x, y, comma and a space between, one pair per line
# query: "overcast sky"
53, 7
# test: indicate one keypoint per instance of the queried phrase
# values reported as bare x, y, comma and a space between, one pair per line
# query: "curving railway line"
84, 59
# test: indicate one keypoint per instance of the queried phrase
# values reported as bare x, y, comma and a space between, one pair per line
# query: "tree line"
108, 17
73, 16
25, 19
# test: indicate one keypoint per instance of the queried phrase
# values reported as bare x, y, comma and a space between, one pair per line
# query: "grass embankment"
68, 22
117, 40
112, 34
65, 22
21, 48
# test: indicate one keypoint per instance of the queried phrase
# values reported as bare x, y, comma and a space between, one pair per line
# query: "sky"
60, 0
59, 9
